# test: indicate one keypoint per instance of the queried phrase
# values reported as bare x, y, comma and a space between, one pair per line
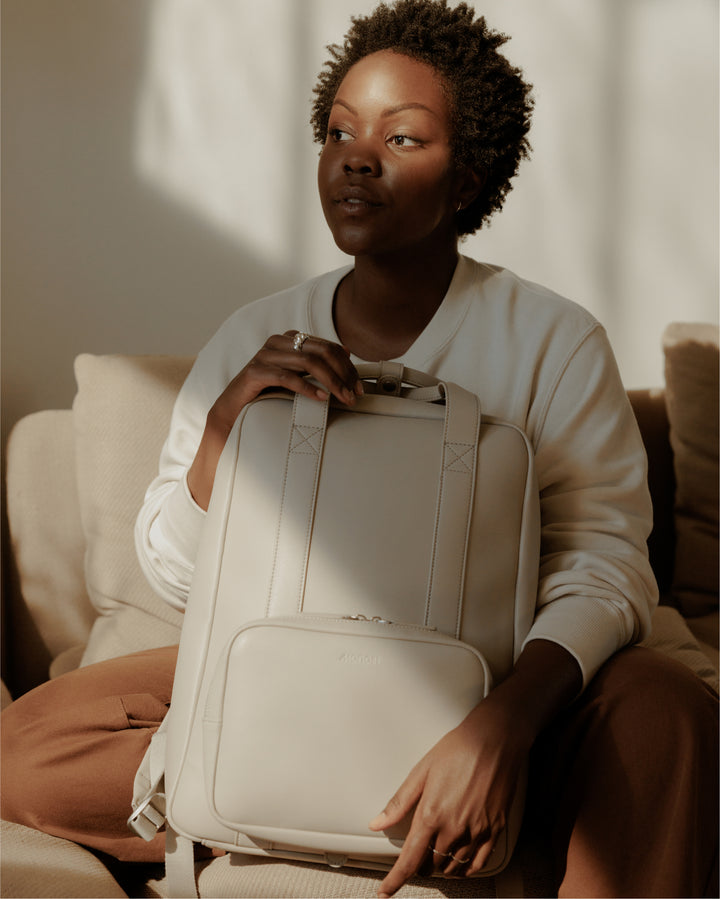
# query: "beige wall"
157, 170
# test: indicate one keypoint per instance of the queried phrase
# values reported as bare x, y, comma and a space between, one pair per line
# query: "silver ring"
443, 854
460, 861
299, 340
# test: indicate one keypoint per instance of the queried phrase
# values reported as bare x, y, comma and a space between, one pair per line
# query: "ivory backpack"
364, 576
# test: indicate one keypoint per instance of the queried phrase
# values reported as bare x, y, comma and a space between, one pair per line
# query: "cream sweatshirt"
533, 358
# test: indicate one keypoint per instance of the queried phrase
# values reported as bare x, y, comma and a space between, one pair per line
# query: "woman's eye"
337, 135
402, 140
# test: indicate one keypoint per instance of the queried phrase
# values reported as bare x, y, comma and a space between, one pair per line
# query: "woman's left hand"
463, 789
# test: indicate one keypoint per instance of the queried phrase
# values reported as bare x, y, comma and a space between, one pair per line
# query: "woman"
423, 125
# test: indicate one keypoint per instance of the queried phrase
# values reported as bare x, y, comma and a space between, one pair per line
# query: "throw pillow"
691, 378
122, 414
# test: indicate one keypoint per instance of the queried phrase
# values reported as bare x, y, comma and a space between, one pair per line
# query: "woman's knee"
70, 748
648, 708
648, 682
30, 737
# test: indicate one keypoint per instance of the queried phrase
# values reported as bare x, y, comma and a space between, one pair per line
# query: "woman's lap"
621, 781
625, 782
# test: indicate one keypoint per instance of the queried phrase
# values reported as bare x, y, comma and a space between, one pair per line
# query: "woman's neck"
383, 306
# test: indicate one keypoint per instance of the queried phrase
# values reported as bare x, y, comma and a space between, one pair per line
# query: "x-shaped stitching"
455, 454
302, 441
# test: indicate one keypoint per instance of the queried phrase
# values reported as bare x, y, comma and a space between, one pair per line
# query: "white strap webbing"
180, 866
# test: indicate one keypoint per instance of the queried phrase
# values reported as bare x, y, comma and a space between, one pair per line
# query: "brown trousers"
624, 785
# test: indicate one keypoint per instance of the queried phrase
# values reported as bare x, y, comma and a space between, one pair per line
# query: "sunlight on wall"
617, 208
210, 104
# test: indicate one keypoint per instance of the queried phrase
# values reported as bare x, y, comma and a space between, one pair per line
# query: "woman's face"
386, 178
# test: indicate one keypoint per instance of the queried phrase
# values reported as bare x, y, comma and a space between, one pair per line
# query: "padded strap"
299, 490
454, 508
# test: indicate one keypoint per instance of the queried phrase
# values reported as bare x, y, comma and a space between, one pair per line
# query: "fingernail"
377, 822
359, 389
321, 394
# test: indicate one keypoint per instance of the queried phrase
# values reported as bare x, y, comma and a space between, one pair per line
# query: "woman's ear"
469, 186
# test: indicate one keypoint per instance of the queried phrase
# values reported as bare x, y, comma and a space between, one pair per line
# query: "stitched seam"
469, 494
310, 511
305, 439
280, 519
558, 378
431, 583
458, 325
459, 459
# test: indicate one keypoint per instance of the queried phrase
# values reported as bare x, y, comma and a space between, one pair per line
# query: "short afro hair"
490, 103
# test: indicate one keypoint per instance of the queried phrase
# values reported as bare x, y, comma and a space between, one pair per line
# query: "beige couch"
75, 480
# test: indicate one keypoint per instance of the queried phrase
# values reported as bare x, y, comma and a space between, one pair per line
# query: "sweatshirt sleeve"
596, 588
168, 526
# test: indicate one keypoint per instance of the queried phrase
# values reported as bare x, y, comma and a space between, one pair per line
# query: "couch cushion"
691, 376
671, 636
651, 415
240, 875
705, 629
122, 414
36, 864
247, 876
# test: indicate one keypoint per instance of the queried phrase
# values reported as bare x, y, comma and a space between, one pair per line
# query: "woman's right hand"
276, 364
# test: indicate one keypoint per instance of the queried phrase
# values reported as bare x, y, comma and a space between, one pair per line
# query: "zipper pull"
359, 617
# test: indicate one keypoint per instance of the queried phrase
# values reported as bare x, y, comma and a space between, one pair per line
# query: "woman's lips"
356, 200
352, 205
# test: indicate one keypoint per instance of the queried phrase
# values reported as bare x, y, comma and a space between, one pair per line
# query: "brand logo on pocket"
350, 658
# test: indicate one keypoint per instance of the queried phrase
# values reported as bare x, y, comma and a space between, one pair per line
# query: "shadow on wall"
96, 257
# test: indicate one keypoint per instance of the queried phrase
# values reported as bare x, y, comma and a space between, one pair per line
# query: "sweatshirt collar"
439, 331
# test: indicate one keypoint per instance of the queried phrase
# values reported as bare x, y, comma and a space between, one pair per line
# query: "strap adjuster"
149, 816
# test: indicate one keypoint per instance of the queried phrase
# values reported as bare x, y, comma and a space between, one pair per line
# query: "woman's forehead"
387, 82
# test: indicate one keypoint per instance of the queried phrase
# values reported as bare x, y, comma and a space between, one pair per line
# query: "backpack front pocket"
313, 723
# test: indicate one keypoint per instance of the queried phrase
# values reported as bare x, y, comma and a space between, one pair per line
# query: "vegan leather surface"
411, 507
350, 702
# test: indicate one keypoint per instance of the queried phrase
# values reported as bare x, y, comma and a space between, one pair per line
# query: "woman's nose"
361, 159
